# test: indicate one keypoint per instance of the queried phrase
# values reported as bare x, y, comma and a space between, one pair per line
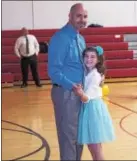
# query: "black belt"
28, 56
56, 85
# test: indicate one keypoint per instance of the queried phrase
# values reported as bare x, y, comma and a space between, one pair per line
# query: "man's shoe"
39, 85
24, 85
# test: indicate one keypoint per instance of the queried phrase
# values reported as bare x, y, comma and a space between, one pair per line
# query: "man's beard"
82, 25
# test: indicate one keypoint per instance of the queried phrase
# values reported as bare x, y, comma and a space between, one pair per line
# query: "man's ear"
69, 16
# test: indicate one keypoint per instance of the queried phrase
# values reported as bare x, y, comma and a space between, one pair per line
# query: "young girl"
95, 124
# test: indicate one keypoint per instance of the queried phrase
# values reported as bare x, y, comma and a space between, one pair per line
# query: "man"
27, 49
66, 70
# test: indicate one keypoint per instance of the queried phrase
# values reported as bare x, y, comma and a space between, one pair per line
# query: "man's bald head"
76, 6
24, 31
78, 16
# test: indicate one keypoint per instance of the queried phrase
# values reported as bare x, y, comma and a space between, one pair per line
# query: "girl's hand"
102, 80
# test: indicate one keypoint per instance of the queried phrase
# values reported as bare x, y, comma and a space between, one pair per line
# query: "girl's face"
90, 59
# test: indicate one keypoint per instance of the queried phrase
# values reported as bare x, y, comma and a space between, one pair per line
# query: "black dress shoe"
24, 85
39, 85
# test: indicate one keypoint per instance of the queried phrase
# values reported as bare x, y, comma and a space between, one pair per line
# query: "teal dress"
95, 123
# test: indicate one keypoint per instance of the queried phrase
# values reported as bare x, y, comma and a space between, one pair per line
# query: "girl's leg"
96, 151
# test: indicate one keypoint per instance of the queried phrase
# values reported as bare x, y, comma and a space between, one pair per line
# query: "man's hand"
36, 54
77, 88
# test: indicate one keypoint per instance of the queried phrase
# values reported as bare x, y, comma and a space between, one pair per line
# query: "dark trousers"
32, 62
67, 107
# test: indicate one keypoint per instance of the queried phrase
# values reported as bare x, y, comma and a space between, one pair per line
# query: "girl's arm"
84, 98
92, 91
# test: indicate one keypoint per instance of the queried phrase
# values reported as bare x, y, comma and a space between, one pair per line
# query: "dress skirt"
95, 123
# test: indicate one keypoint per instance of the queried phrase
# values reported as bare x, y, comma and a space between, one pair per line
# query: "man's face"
24, 31
78, 18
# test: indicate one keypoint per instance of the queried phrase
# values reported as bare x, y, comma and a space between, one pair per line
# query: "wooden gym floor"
28, 127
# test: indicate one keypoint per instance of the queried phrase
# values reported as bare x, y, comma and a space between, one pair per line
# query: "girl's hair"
100, 65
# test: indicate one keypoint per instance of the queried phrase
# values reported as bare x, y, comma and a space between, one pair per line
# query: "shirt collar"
71, 30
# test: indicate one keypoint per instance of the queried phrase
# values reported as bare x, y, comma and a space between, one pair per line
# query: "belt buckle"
56, 85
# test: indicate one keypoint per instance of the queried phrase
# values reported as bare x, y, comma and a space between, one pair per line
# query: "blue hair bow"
99, 50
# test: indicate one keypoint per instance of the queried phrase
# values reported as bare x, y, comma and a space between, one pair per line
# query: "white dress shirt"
92, 87
20, 46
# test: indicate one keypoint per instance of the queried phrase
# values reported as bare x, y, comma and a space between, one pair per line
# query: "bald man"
27, 49
65, 68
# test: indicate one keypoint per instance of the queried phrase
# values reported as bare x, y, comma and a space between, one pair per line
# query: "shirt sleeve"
93, 89
16, 47
36, 44
57, 52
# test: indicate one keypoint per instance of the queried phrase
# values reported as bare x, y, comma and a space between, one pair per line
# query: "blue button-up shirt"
65, 65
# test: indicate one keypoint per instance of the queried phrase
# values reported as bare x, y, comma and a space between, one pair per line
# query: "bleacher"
119, 43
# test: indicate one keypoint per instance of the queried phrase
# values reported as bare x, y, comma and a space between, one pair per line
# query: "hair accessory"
100, 50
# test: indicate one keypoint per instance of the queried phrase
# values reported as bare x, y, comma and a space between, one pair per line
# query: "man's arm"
36, 44
57, 53
16, 47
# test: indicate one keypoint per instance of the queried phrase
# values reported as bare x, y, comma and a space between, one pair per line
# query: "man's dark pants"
25, 62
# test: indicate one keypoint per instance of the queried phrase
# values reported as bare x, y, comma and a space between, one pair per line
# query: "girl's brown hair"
100, 65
